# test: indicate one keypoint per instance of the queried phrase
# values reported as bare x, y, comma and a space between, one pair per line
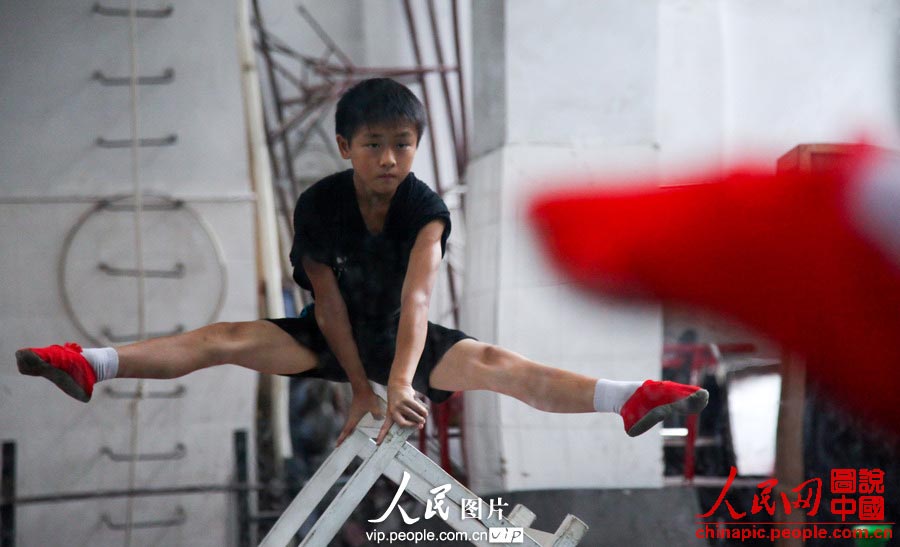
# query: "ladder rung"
176, 454
176, 393
116, 207
177, 272
166, 77
168, 140
176, 520
100, 9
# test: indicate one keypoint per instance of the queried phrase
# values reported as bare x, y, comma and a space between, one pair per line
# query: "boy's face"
381, 155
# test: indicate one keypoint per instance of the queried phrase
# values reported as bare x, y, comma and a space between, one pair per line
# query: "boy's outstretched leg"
475, 365
257, 345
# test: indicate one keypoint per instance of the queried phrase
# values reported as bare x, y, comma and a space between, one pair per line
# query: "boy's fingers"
419, 411
401, 419
416, 414
424, 410
384, 429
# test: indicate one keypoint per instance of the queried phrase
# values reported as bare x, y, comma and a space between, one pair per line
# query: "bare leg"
475, 365
257, 345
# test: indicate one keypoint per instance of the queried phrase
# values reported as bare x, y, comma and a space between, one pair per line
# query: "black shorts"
376, 345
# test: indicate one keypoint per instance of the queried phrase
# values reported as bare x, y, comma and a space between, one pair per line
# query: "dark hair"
378, 101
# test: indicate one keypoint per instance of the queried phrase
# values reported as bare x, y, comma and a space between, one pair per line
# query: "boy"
368, 245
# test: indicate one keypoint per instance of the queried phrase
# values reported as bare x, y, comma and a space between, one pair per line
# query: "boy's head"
378, 101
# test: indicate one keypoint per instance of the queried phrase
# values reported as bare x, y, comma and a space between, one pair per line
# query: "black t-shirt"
370, 268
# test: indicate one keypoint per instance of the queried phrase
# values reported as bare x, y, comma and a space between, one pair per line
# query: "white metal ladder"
391, 459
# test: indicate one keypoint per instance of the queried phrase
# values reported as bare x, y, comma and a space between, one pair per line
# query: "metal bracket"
100, 9
176, 520
176, 454
119, 338
165, 78
175, 273
168, 140
176, 393
245, 537
8, 494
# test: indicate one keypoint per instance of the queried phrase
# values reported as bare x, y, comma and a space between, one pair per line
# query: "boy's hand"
364, 401
403, 408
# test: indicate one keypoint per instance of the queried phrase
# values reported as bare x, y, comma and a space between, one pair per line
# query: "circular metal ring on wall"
184, 269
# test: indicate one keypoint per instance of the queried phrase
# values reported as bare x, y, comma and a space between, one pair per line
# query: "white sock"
105, 362
610, 395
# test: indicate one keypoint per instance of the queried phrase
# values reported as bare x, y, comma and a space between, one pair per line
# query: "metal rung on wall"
123, 338
168, 140
179, 452
179, 518
176, 272
115, 207
166, 77
100, 9
176, 393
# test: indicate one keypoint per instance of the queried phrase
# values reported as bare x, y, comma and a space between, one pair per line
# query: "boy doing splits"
368, 245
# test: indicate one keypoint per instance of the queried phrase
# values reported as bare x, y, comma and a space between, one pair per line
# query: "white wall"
52, 114
743, 80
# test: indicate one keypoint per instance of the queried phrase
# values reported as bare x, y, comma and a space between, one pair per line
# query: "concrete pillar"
573, 98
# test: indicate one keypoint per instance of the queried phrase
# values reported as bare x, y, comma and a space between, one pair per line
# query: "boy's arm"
334, 322
424, 262
421, 273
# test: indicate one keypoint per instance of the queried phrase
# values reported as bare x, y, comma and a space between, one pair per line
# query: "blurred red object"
811, 260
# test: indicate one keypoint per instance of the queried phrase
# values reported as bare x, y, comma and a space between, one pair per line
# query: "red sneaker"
62, 365
655, 401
